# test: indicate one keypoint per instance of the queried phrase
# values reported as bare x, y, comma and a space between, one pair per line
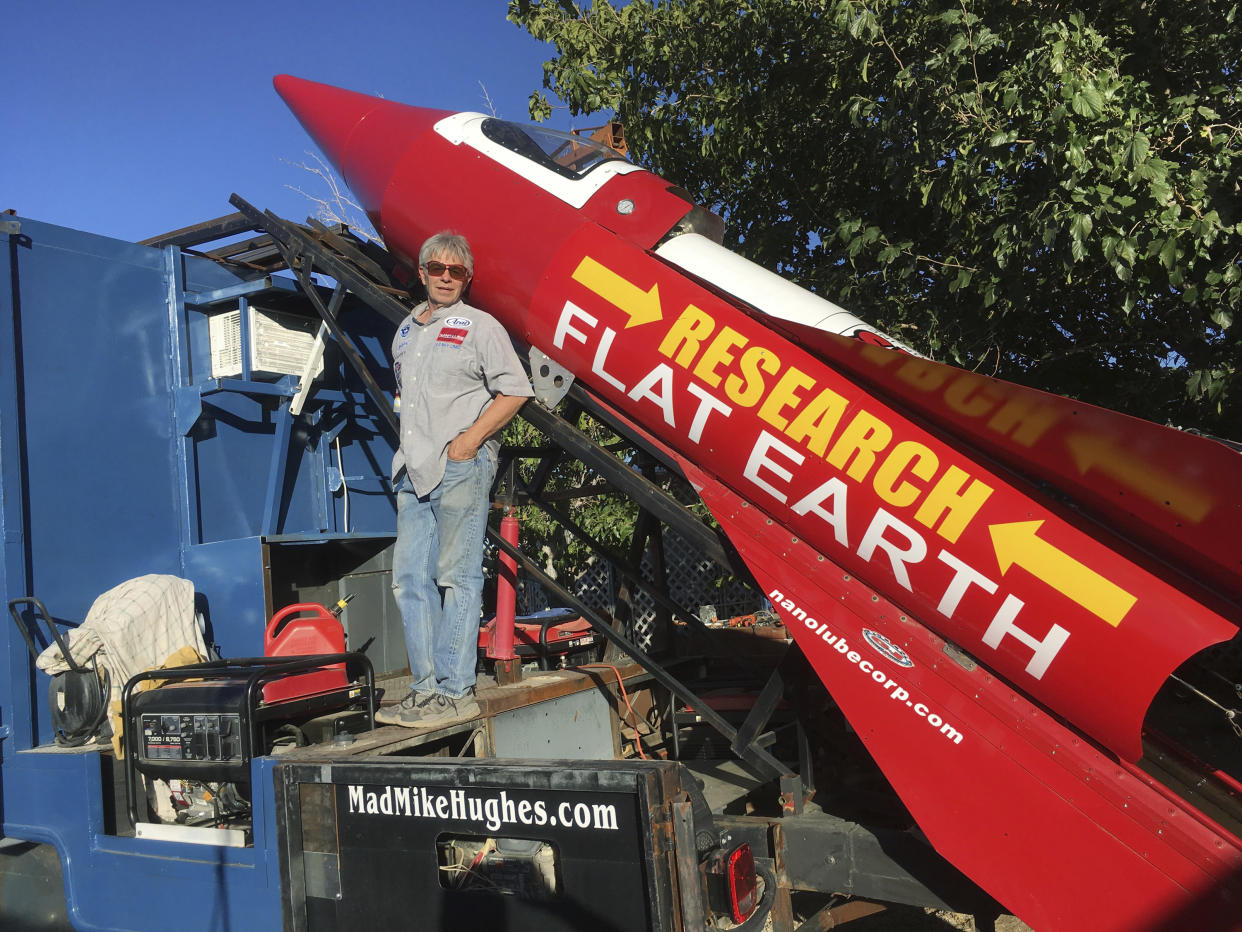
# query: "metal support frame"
291, 235
283, 416
654, 503
628, 570
201, 232
836, 914
630, 483
278, 467
302, 253
645, 494
796, 789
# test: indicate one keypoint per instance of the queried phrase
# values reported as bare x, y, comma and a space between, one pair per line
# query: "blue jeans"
437, 574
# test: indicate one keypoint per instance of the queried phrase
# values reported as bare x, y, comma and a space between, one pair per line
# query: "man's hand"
461, 448
494, 417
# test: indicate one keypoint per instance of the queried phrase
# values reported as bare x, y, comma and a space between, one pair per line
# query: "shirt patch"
458, 321
452, 335
405, 330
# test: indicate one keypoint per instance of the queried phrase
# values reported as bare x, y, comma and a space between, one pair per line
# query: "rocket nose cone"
329, 114
364, 137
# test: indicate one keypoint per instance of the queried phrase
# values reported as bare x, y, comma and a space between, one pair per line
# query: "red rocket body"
992, 582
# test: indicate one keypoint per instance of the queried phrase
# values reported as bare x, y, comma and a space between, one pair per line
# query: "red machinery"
550, 638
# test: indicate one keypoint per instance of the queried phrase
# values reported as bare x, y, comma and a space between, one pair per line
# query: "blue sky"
134, 118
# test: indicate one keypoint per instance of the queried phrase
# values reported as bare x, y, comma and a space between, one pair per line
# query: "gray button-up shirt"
447, 371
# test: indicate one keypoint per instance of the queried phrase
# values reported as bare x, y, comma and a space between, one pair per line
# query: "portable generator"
204, 723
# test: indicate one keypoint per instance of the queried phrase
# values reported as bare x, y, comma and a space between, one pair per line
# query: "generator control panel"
194, 730
204, 737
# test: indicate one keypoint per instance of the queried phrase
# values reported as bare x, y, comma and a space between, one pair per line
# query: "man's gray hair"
452, 245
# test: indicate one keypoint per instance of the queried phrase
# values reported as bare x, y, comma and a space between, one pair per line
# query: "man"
459, 382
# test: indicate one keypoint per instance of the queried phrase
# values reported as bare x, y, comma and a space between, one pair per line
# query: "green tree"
1044, 190
603, 513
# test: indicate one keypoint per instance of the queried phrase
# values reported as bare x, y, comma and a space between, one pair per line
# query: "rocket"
992, 582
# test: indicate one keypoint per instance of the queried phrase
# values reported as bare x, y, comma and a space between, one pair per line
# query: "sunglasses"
436, 269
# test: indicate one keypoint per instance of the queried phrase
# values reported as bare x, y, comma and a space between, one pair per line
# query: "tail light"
741, 882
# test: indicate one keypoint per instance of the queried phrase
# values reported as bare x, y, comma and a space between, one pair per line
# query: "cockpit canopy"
564, 153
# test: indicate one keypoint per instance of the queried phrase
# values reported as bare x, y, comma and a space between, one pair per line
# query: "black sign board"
472, 844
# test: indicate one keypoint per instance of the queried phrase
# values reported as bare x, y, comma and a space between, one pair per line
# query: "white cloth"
132, 627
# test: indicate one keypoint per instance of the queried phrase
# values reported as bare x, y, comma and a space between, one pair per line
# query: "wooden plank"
385, 739
493, 700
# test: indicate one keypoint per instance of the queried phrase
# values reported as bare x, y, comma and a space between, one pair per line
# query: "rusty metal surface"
204, 232
383, 740
688, 883
782, 905
830, 917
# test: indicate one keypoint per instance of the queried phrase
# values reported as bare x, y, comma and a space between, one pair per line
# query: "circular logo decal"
887, 648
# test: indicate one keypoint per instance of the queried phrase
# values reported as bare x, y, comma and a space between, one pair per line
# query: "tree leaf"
1088, 101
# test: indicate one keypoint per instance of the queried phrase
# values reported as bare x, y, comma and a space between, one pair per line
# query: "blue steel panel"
366, 448
229, 576
140, 884
239, 440
107, 352
102, 498
236, 442
14, 661
98, 495
94, 362
277, 470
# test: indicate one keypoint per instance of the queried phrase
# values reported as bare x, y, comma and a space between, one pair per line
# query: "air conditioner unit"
280, 344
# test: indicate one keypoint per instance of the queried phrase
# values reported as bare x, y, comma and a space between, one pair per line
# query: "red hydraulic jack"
500, 644
551, 638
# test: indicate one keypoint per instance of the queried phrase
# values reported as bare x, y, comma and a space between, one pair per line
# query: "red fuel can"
296, 631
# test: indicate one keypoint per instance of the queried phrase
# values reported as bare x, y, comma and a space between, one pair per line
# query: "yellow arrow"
1091, 451
642, 307
1018, 543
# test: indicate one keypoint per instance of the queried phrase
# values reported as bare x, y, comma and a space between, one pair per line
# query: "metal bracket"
188, 402
550, 379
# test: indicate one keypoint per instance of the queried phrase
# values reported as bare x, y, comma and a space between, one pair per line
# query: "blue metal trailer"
121, 455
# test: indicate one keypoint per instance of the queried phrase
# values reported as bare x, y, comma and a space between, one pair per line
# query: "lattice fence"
693, 581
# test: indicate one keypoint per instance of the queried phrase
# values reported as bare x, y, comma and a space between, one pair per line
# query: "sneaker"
444, 710
396, 714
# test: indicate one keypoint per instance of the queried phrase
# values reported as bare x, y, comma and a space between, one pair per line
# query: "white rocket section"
766, 291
